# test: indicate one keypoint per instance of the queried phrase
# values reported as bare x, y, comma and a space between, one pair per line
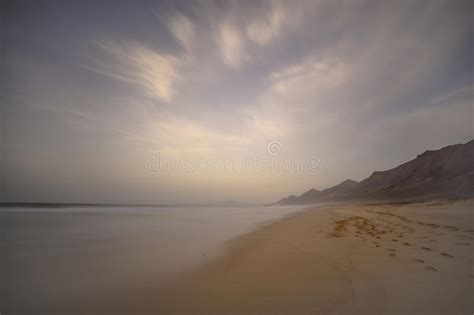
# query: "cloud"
463, 93
183, 30
321, 73
296, 101
345, 82
155, 73
298, 104
179, 136
302, 90
426, 127
231, 45
264, 30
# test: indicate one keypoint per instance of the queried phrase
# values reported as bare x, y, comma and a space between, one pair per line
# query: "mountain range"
435, 174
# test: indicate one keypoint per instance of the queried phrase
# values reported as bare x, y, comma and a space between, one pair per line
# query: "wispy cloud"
232, 45
424, 127
344, 81
180, 136
183, 30
268, 27
157, 74
328, 73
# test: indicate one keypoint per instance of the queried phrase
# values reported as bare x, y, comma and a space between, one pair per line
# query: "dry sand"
357, 259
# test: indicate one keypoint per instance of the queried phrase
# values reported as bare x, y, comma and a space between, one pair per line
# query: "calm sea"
64, 257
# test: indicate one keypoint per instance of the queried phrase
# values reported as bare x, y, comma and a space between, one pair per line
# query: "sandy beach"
350, 259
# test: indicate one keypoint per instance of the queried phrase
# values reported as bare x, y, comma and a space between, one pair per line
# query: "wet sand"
353, 259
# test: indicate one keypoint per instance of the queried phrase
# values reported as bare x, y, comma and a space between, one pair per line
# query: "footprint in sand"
432, 241
431, 268
447, 255
419, 260
426, 248
392, 254
462, 243
394, 240
407, 244
390, 249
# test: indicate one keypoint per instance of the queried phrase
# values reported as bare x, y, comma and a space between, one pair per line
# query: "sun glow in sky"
92, 91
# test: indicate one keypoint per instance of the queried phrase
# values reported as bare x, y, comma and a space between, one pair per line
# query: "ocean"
67, 257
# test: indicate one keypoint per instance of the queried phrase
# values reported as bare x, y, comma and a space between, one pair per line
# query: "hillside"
443, 173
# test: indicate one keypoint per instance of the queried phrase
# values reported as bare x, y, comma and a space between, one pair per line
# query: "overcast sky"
92, 92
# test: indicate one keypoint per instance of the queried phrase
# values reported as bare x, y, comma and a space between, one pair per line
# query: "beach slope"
351, 259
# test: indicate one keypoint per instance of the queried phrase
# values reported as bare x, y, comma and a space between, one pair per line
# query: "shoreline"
358, 259
334, 259
112, 260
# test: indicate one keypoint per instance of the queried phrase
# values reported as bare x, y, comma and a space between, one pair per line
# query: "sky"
216, 101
